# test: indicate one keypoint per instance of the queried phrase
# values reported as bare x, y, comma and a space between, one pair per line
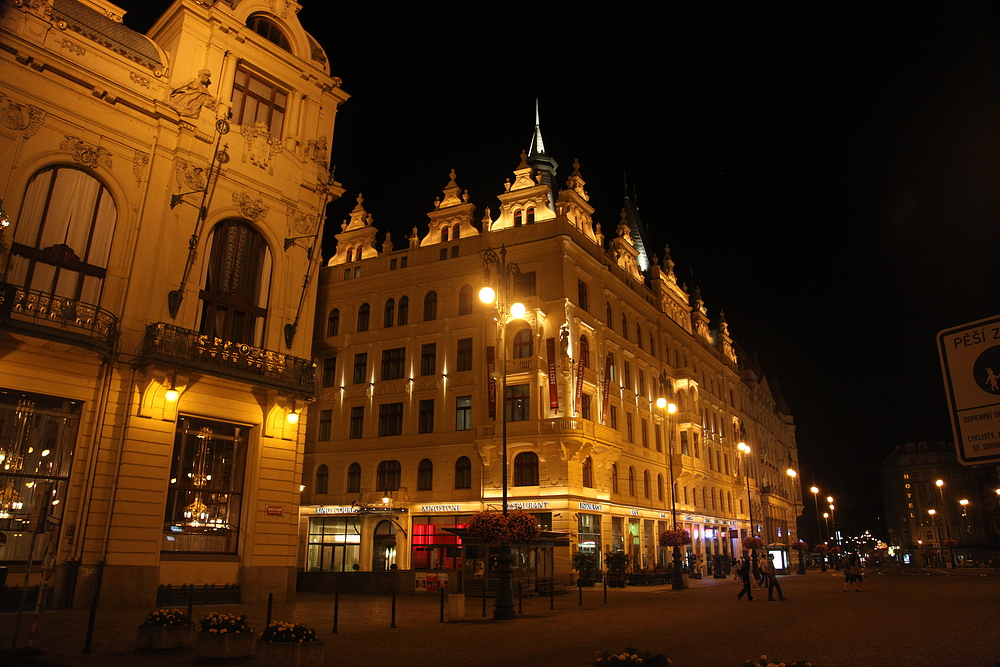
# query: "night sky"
829, 178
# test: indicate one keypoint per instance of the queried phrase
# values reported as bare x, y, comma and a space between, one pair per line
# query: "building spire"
537, 145
540, 161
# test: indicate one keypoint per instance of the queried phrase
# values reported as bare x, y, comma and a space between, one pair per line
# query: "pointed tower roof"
637, 231
541, 162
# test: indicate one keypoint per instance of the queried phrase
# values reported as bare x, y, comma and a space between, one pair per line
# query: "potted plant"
164, 629
617, 563
950, 545
585, 562
290, 645
224, 636
801, 547
675, 539
821, 550
764, 661
631, 656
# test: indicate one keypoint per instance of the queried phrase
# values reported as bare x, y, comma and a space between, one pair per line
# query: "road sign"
970, 363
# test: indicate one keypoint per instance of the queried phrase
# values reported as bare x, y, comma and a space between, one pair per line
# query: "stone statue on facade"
193, 95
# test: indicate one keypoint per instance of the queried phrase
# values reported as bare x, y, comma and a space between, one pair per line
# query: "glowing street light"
745, 449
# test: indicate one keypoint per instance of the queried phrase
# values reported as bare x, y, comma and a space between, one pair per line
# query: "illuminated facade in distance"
404, 440
165, 204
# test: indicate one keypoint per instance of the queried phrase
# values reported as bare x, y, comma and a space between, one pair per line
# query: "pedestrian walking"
771, 578
852, 573
744, 574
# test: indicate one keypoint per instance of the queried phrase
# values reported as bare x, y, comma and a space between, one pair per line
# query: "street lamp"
677, 582
795, 516
937, 533
965, 514
947, 527
745, 449
819, 531
507, 275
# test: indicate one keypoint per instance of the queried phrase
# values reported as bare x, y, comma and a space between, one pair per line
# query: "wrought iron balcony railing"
58, 318
184, 348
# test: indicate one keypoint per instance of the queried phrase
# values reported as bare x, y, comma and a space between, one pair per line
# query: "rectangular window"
426, 422
393, 363
585, 407
428, 359
392, 264
659, 438
444, 254
403, 261
360, 368
206, 488
518, 402
463, 413
464, 361
642, 384
526, 285
255, 99
644, 433
390, 419
325, 424
357, 422
581, 293
330, 372
684, 444
629, 435
454, 251
627, 377
614, 417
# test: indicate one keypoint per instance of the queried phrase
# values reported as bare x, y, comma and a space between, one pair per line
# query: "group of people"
763, 573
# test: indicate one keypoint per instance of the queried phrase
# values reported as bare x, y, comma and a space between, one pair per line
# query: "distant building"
911, 492
164, 196
405, 439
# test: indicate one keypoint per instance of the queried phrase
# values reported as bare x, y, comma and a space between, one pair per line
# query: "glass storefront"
589, 535
334, 544
433, 547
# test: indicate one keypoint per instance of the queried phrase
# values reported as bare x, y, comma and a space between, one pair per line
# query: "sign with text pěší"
970, 363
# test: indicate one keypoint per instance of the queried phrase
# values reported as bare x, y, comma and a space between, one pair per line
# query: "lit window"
267, 29
258, 101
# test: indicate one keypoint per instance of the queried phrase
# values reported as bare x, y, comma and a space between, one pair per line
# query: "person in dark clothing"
744, 574
771, 578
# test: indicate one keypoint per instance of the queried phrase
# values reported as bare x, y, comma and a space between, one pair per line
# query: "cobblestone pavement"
936, 618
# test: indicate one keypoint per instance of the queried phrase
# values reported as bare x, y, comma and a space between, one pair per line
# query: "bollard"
520, 598
605, 580
270, 606
90, 625
393, 624
552, 595
441, 620
336, 611
579, 585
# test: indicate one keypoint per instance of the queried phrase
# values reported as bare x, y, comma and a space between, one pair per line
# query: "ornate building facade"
405, 440
163, 200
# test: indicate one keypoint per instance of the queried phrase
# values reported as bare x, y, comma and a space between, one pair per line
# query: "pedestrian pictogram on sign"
970, 363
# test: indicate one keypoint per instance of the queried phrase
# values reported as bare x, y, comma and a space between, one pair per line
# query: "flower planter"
163, 637
291, 654
224, 645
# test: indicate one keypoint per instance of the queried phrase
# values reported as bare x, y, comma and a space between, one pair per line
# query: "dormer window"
267, 29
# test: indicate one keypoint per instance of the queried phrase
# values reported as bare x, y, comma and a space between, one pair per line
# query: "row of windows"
394, 363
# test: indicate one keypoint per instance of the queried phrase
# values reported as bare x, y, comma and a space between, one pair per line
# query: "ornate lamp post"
947, 526
965, 514
507, 310
937, 533
795, 516
744, 448
833, 522
677, 582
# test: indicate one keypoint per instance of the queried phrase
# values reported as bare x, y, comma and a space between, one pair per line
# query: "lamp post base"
503, 604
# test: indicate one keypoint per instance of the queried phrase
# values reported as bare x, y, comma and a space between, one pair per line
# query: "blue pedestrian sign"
970, 363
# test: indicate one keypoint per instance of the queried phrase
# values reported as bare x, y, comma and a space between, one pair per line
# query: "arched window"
645, 484
456, 232
267, 29
659, 487
425, 475
465, 300
430, 306
354, 478
588, 472
403, 316
531, 215
387, 476
523, 345
585, 352
359, 254
517, 218
364, 316
333, 322
389, 313
614, 478
237, 279
526, 469
350, 255
62, 239
463, 473
444, 235
631, 480
322, 479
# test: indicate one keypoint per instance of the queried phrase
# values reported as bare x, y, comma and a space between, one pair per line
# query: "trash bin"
454, 610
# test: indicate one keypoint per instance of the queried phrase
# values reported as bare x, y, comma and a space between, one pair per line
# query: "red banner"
550, 348
491, 365
607, 388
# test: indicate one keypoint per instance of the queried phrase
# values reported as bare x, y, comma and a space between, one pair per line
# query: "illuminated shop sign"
593, 507
347, 509
529, 505
440, 508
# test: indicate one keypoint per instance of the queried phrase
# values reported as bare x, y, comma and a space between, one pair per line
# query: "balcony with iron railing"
186, 349
58, 318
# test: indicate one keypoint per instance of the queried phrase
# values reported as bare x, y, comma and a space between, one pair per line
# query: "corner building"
405, 439
164, 196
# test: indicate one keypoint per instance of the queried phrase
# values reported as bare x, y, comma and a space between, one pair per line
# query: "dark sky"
827, 177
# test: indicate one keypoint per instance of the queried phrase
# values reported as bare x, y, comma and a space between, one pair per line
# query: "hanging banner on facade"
550, 349
580, 368
491, 365
606, 391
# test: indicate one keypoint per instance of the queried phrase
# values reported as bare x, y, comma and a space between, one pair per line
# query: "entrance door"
384, 547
